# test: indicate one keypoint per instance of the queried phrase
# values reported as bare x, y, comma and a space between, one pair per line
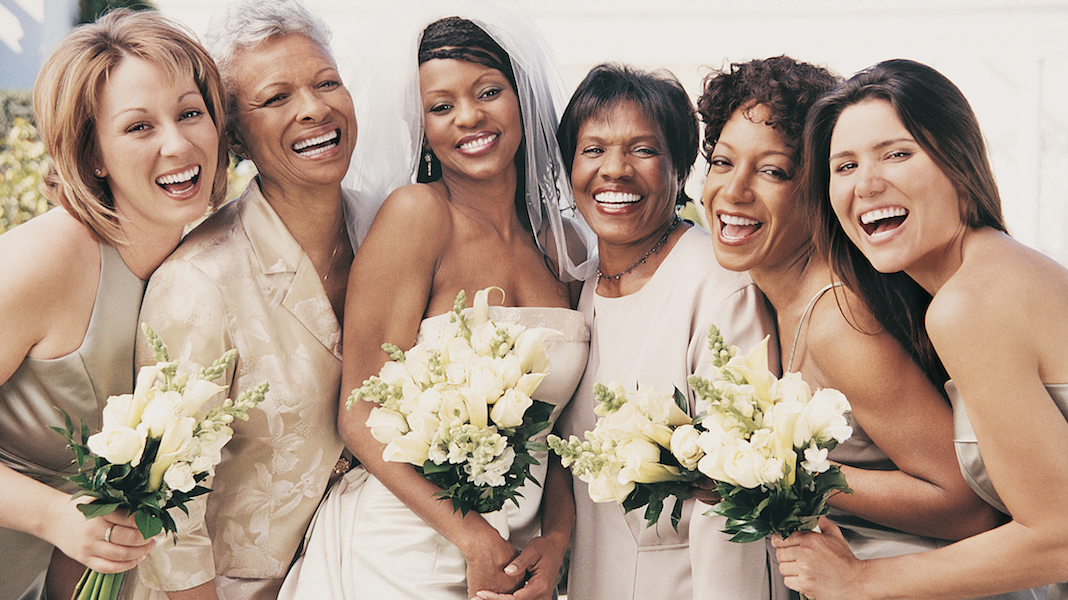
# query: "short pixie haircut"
787, 87
247, 24
658, 94
66, 100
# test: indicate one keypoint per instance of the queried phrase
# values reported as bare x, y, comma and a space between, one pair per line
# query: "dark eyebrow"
878, 146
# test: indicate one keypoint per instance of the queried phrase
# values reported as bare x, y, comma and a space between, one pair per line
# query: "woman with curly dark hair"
908, 493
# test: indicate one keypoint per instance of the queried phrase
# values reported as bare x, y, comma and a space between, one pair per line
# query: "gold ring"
107, 534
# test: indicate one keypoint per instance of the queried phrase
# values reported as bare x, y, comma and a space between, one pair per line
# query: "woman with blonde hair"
130, 109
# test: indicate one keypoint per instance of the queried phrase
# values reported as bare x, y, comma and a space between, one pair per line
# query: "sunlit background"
1009, 57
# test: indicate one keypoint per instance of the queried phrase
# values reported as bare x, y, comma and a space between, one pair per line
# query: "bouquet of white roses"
765, 442
628, 457
458, 406
155, 447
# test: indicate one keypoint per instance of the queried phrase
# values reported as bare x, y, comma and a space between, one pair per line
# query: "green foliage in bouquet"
458, 406
138, 485
766, 442
465, 496
754, 514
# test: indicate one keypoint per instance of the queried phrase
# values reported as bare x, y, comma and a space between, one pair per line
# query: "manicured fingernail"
511, 569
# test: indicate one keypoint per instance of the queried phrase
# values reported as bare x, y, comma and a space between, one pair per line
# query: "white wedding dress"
365, 543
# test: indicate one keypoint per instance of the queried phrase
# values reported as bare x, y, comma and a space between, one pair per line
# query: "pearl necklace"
660, 242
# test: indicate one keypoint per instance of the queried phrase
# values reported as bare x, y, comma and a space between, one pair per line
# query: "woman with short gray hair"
265, 275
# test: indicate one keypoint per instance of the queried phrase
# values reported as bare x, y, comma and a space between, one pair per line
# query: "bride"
487, 212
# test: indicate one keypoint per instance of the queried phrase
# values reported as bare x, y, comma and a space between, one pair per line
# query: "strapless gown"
365, 543
971, 464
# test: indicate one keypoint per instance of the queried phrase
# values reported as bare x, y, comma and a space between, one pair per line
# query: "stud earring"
98, 172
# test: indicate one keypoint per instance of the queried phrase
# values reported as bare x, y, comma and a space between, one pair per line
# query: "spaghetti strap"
800, 325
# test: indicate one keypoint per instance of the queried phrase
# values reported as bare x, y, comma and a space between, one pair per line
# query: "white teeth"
736, 220
616, 198
322, 139
882, 213
480, 142
182, 177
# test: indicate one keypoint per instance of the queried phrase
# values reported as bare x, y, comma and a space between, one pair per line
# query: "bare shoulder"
1005, 300
846, 343
49, 254
1000, 284
50, 267
416, 208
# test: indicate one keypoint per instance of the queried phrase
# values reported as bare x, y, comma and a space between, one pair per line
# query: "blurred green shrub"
23, 164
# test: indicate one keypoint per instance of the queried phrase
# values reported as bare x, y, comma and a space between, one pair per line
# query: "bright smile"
181, 183
477, 143
882, 221
734, 228
315, 146
616, 198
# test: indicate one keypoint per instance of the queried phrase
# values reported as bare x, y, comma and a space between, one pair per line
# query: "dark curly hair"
786, 86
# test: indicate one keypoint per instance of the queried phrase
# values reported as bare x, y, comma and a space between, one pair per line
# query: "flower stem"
98, 586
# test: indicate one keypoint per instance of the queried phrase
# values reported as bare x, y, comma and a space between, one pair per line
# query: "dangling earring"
429, 164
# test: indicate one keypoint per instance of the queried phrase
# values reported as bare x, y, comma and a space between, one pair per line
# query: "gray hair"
248, 23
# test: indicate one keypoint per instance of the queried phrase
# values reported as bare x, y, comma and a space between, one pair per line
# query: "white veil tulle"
382, 76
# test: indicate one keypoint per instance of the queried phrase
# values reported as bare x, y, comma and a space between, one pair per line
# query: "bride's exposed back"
482, 214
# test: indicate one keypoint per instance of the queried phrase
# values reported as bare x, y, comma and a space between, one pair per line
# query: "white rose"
119, 445
484, 382
508, 367
774, 470
453, 409
117, 411
415, 361
641, 462
530, 348
712, 463
744, 465
179, 476
659, 407
791, 388
482, 337
408, 448
386, 424
823, 419
684, 446
607, 487
161, 408
509, 410
423, 425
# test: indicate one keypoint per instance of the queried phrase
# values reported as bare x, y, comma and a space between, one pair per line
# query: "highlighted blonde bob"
66, 100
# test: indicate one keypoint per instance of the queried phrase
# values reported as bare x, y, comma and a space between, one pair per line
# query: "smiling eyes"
720, 164
490, 93
641, 151
894, 156
140, 126
327, 85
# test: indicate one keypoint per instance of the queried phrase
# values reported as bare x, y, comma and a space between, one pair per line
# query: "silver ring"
107, 534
